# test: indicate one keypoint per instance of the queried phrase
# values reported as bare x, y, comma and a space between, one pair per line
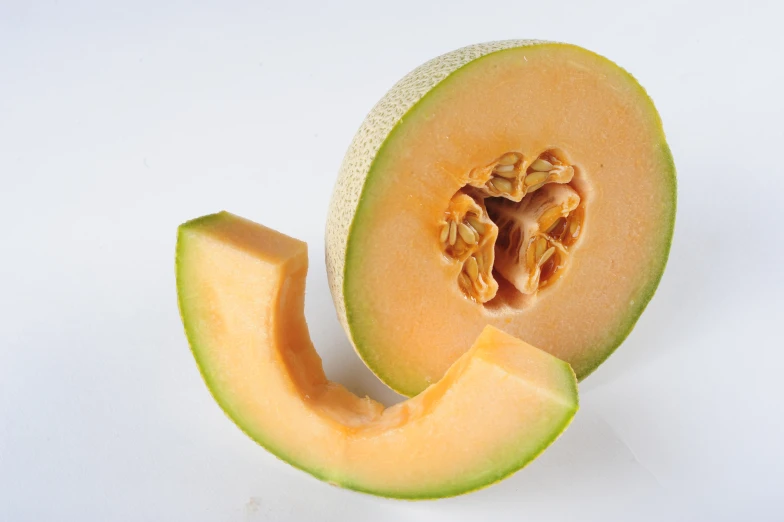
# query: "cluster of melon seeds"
508, 177
533, 212
468, 236
534, 236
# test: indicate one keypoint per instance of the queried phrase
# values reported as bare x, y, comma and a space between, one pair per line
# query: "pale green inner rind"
520, 452
362, 338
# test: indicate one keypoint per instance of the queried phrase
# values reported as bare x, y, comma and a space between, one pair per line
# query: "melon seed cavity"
514, 222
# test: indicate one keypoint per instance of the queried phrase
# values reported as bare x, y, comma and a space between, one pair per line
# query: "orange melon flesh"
404, 311
241, 294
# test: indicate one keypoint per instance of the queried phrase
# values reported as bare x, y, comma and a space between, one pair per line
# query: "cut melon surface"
522, 184
241, 293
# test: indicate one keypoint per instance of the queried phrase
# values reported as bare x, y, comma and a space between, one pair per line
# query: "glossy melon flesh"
406, 297
241, 290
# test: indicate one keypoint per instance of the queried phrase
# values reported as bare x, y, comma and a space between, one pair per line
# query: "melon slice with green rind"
499, 121
241, 293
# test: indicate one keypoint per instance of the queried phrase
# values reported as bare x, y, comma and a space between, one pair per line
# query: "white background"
119, 122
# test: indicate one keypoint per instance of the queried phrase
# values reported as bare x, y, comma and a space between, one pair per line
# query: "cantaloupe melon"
241, 293
522, 184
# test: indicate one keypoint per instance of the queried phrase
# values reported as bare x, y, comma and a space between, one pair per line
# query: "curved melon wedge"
241, 293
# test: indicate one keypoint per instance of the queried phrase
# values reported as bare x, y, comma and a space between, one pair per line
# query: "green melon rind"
379, 129
195, 345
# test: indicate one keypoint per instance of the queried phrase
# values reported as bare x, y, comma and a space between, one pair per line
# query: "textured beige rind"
369, 139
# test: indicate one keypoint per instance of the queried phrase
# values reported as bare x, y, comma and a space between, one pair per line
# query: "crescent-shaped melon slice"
241, 292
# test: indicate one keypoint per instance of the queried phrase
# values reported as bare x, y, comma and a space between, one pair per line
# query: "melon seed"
452, 232
472, 268
501, 184
536, 178
466, 233
509, 158
542, 165
478, 225
541, 247
550, 251
444, 233
530, 254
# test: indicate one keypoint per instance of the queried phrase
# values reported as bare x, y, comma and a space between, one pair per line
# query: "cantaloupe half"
522, 184
241, 293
